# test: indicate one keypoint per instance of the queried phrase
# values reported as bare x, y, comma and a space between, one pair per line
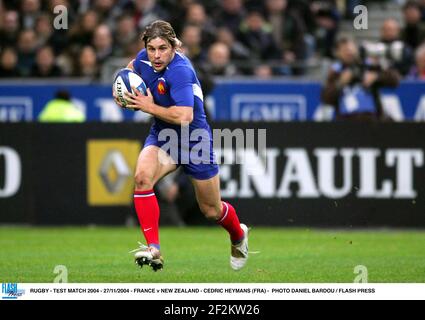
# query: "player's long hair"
161, 29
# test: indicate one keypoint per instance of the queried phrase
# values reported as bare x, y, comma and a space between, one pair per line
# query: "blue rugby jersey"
176, 85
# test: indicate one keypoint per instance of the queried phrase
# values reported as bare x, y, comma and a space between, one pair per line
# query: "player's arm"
130, 65
174, 114
182, 93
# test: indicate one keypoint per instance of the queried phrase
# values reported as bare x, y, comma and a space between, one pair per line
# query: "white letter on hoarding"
229, 186
109, 112
368, 188
12, 177
298, 170
264, 177
420, 111
326, 168
404, 160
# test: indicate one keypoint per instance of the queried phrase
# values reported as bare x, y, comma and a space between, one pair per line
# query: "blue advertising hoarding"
277, 100
25, 102
266, 100
235, 100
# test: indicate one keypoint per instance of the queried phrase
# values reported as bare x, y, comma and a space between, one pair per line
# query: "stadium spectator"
10, 28
230, 14
263, 71
82, 31
326, 18
81, 6
237, 50
9, 63
256, 35
43, 29
288, 30
30, 10
196, 16
418, 70
103, 42
299, 29
218, 63
45, 64
391, 50
86, 64
179, 10
27, 45
145, 12
51, 4
132, 49
192, 44
349, 6
302, 9
413, 33
61, 109
125, 34
105, 11
352, 88
422, 5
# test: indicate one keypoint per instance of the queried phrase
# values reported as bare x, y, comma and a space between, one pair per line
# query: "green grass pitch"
199, 255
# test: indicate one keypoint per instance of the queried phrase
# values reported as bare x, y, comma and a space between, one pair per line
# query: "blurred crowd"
221, 37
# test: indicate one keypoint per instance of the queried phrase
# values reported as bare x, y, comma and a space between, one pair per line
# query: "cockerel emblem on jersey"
161, 86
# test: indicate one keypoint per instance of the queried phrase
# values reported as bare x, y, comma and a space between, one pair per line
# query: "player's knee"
143, 181
210, 212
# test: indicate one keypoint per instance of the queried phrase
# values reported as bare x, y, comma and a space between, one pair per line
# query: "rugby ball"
124, 80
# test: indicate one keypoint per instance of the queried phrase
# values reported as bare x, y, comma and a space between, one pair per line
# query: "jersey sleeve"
137, 64
181, 87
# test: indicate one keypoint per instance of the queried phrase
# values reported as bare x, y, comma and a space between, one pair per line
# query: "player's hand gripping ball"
124, 81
